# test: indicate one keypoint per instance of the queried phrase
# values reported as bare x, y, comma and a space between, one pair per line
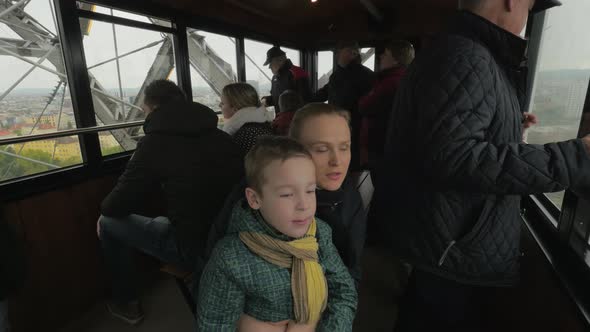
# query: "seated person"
276, 269
290, 102
195, 164
244, 116
325, 132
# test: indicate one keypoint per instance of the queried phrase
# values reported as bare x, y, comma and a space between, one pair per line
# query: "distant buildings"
566, 89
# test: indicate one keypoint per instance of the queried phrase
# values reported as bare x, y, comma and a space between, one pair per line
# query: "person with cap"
286, 76
457, 168
347, 84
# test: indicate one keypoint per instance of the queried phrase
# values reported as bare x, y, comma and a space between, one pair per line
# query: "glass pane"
325, 66
556, 198
258, 75
213, 65
33, 157
368, 56
562, 76
119, 13
294, 55
34, 95
122, 61
111, 141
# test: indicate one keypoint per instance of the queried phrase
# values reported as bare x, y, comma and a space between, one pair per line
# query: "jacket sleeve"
368, 102
137, 181
342, 295
365, 81
458, 112
303, 87
220, 301
321, 95
382, 94
269, 101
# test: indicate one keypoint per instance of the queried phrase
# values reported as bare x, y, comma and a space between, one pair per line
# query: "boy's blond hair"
266, 150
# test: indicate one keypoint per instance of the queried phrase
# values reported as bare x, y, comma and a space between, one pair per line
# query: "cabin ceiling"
325, 21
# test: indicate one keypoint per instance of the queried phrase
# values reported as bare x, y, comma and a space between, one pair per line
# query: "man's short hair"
161, 92
311, 111
401, 50
266, 150
290, 101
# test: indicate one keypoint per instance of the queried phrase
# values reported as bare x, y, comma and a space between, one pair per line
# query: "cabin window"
561, 76
325, 67
368, 57
121, 61
258, 75
122, 14
34, 94
213, 65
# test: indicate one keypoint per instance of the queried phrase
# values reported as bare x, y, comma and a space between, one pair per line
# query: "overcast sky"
566, 45
566, 38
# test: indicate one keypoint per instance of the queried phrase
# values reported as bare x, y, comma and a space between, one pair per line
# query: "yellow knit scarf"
308, 283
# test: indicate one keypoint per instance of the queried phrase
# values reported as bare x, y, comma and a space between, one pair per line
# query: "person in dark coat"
245, 118
12, 268
375, 107
324, 130
286, 76
338, 201
347, 84
457, 167
290, 102
195, 164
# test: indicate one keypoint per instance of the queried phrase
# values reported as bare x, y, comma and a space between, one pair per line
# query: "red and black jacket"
376, 106
289, 77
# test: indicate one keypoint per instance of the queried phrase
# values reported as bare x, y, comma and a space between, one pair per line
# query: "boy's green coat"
237, 281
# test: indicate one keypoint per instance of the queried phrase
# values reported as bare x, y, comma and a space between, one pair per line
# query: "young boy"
290, 101
276, 269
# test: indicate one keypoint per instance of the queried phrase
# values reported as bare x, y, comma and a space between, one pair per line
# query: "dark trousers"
431, 303
120, 236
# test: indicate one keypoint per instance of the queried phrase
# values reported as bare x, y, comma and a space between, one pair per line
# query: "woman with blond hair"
245, 119
324, 130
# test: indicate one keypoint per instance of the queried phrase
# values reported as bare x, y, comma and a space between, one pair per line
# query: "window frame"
93, 162
551, 227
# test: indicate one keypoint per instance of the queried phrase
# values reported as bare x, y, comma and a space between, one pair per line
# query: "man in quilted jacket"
456, 166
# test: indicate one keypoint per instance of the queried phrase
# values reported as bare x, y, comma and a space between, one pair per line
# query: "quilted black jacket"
191, 161
455, 163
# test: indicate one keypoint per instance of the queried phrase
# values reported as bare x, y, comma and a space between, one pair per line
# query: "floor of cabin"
165, 309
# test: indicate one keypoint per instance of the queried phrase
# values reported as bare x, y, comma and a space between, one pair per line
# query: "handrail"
69, 132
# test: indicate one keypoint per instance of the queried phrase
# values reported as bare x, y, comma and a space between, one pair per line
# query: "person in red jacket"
286, 76
376, 106
289, 101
